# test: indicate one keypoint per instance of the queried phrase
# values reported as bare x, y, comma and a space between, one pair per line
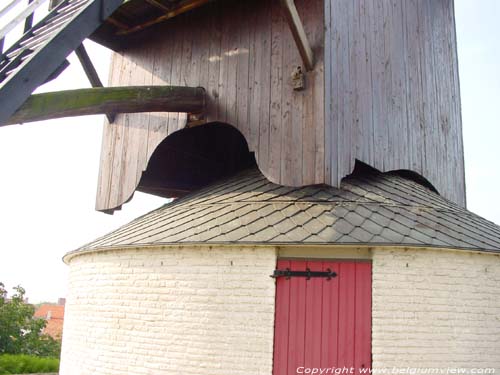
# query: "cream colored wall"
172, 311
435, 308
211, 311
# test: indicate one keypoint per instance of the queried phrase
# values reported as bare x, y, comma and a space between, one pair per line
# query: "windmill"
319, 142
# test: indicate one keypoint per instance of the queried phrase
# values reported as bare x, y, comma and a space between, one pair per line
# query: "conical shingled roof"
369, 208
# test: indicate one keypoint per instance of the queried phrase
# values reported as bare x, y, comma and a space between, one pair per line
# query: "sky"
48, 170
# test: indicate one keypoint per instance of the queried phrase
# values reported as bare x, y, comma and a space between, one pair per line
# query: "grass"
26, 364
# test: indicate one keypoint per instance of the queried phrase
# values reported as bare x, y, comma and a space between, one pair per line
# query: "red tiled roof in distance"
54, 315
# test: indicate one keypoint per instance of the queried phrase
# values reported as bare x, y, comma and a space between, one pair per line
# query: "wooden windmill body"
382, 89
316, 141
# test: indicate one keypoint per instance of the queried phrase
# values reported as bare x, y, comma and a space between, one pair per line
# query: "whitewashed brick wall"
436, 308
210, 311
171, 311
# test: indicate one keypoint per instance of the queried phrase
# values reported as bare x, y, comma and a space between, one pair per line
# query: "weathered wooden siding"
243, 53
389, 96
393, 90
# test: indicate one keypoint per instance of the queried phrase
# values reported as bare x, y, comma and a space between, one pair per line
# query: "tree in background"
20, 332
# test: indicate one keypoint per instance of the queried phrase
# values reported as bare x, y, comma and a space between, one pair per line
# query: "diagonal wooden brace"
298, 32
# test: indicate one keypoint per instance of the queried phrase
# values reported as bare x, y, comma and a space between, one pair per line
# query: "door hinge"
288, 273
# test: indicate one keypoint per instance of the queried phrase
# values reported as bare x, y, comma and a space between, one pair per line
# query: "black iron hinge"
288, 273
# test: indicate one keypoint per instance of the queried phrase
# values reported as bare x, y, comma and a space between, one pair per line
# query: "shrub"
20, 332
26, 364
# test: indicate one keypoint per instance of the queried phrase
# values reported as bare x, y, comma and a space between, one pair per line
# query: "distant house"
54, 315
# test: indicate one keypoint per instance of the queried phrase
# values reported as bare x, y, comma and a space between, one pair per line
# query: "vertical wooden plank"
232, 56
303, 106
412, 34
275, 124
350, 128
355, 82
203, 45
145, 118
401, 149
243, 69
457, 194
342, 82
364, 87
163, 61
214, 61
339, 43
194, 31
108, 148
296, 344
178, 35
186, 60
265, 86
317, 36
121, 135
282, 321
224, 64
135, 142
347, 308
363, 313
254, 66
330, 137
107, 145
314, 317
431, 123
291, 140
330, 323
443, 80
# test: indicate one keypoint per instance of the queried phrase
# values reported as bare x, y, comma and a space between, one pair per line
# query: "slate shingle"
372, 208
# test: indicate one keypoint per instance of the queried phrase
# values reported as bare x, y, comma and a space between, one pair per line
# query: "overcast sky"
48, 170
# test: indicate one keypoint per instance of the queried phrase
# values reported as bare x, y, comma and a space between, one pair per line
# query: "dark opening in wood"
192, 158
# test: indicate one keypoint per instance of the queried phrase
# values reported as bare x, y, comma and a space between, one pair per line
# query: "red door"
323, 323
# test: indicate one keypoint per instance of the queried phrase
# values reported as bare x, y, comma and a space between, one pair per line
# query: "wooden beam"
36, 68
183, 7
298, 32
104, 100
91, 73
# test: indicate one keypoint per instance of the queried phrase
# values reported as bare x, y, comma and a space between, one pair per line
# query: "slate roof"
369, 208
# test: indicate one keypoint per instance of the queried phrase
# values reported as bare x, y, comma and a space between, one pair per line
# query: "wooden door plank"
282, 322
314, 317
346, 331
297, 325
363, 313
330, 313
